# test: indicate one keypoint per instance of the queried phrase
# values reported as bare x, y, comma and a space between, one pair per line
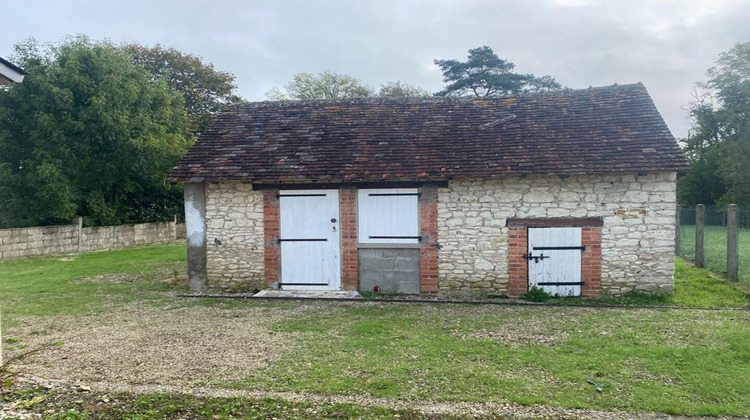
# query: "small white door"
554, 256
388, 215
310, 241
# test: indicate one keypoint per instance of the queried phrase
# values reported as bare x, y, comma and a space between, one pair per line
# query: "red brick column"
428, 252
518, 268
591, 261
349, 240
272, 230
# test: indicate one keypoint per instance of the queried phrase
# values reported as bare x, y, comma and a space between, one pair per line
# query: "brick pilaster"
428, 252
272, 230
591, 261
349, 240
518, 268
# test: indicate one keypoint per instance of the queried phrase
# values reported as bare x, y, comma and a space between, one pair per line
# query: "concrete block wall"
111, 237
68, 239
392, 270
637, 237
36, 241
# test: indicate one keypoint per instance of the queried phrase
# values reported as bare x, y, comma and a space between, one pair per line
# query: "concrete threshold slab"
308, 294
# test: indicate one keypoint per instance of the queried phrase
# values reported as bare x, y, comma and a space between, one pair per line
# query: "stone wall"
68, 239
637, 242
234, 235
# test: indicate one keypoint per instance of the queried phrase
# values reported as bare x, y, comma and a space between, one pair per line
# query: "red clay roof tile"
591, 131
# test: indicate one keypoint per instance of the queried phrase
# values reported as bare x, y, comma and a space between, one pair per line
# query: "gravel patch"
116, 278
145, 345
507, 411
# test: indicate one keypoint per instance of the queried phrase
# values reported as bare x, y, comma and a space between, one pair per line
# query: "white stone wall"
234, 237
637, 237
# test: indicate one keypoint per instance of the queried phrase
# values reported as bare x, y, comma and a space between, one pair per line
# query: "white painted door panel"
388, 215
310, 241
555, 265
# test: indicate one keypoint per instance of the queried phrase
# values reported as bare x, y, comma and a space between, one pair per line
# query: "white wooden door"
310, 240
554, 256
388, 215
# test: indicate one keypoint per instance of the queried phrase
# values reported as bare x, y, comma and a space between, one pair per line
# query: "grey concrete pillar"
700, 211
195, 225
733, 257
677, 230
78, 222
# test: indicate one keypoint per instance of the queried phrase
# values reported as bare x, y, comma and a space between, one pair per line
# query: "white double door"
554, 256
310, 239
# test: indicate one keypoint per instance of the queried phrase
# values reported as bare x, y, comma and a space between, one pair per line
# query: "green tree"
401, 90
485, 74
88, 133
332, 85
324, 85
718, 146
206, 90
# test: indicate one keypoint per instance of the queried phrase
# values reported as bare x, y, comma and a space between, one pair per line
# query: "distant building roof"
9, 73
611, 129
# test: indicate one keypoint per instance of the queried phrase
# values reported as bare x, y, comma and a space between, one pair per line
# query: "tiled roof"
590, 131
9, 73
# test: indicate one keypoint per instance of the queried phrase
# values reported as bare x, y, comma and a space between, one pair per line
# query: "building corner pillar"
195, 226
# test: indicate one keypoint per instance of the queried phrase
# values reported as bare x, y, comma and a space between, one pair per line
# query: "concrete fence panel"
68, 239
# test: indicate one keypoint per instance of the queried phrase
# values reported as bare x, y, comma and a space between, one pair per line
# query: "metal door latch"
536, 258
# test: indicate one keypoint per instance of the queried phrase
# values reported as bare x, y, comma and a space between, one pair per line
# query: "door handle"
333, 220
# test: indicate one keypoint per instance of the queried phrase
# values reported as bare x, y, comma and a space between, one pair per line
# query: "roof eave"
10, 73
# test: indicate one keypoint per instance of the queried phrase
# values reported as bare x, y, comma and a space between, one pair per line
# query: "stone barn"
570, 191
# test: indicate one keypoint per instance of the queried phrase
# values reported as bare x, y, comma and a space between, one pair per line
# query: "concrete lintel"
387, 246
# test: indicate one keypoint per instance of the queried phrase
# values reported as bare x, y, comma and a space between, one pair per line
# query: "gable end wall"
637, 243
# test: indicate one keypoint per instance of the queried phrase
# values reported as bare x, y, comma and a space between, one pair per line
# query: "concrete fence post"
677, 230
174, 228
78, 222
700, 212
732, 243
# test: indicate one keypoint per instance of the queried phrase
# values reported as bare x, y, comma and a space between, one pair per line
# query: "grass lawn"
680, 362
715, 248
692, 362
53, 285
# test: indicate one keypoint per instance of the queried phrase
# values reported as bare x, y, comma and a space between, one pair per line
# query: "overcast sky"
666, 44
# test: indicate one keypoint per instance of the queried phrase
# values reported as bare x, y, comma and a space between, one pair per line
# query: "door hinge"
418, 238
303, 284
